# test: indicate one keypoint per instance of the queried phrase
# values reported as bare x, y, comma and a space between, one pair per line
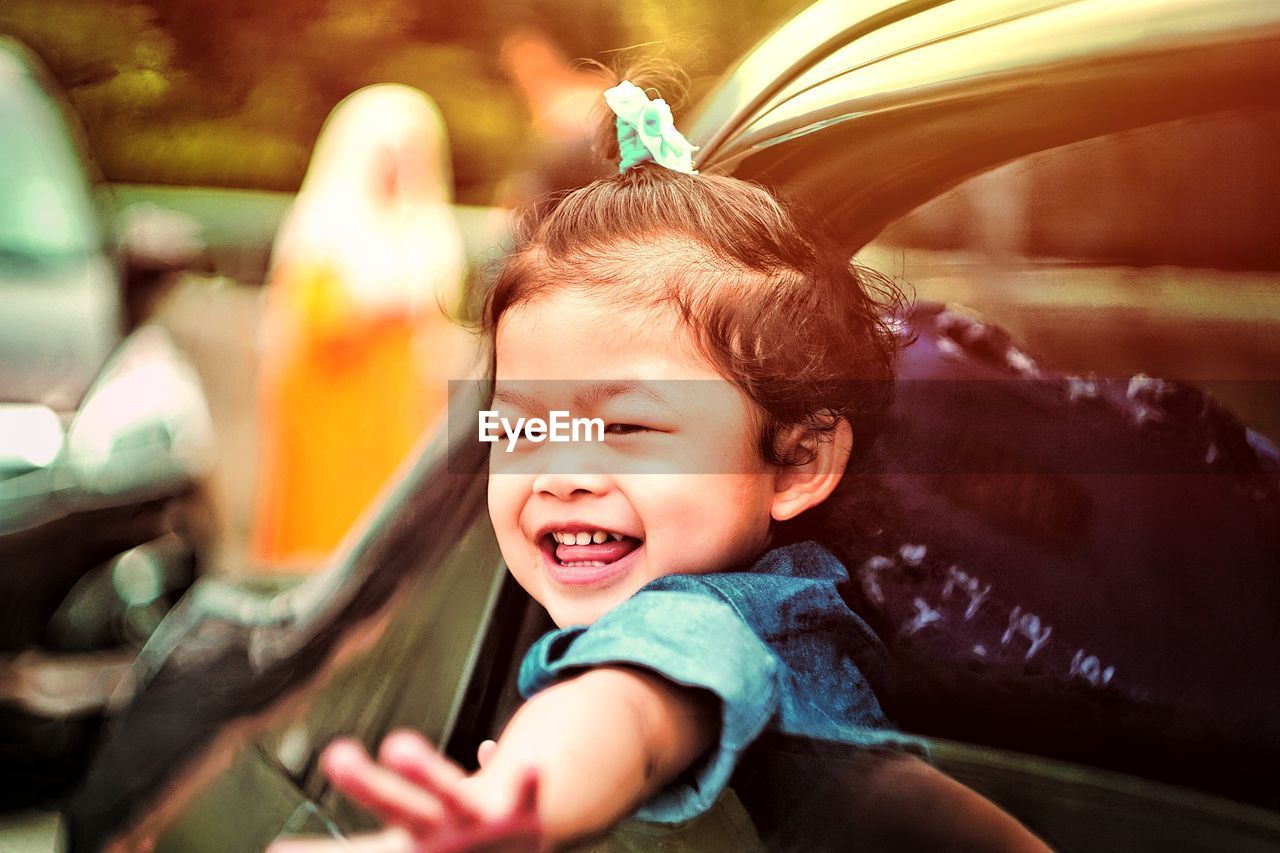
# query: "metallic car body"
913, 97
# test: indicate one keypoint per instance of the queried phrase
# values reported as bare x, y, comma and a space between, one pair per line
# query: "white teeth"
597, 537
584, 563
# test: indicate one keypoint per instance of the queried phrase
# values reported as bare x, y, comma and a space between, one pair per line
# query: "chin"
567, 615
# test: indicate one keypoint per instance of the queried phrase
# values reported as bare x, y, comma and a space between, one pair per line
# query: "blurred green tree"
233, 92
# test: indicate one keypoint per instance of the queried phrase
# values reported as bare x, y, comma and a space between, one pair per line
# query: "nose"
567, 485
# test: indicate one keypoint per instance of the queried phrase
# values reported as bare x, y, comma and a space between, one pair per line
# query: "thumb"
485, 751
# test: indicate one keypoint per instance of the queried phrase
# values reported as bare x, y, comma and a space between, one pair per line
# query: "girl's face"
677, 486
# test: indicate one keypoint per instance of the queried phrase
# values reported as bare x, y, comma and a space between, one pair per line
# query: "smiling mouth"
588, 549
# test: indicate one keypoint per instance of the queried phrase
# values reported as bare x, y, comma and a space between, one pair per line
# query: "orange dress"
342, 402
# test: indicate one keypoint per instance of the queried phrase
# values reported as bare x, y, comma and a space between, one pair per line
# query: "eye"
626, 429
524, 438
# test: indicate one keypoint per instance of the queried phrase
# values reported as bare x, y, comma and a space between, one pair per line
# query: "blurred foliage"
232, 92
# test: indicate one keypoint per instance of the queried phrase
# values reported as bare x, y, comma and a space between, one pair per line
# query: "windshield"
45, 209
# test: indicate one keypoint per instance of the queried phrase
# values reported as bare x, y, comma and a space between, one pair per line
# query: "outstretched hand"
426, 801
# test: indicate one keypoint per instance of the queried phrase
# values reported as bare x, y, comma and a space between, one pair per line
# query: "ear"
798, 488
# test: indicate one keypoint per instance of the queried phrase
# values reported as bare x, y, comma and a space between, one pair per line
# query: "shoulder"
689, 636
791, 566
803, 561
787, 583
794, 599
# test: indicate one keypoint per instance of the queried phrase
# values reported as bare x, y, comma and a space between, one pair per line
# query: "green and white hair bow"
646, 130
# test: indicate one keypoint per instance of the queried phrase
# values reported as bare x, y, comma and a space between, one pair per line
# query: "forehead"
569, 334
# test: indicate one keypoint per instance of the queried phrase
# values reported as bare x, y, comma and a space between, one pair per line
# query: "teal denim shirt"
777, 644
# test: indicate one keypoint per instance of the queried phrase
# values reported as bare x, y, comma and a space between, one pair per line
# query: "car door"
238, 691
1075, 573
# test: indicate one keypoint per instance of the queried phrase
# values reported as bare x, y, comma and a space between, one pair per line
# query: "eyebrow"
586, 398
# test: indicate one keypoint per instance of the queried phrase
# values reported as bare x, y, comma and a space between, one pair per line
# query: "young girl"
736, 363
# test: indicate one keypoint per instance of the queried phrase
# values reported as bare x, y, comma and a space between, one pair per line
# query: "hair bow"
646, 130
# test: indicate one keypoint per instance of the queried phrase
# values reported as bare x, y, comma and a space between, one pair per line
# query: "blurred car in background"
1079, 594
104, 436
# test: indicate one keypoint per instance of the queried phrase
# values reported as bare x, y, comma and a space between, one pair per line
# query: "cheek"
746, 507
744, 519
504, 507
507, 494
707, 522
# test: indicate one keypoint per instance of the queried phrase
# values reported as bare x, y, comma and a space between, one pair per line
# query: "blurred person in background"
357, 342
562, 99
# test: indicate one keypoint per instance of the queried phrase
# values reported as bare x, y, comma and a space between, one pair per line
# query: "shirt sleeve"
691, 639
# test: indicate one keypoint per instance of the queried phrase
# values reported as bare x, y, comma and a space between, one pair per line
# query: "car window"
45, 208
1145, 251
1150, 250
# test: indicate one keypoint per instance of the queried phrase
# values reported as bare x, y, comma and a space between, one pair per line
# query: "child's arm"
601, 743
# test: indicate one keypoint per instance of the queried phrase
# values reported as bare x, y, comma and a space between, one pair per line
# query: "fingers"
485, 751
518, 831
417, 789
382, 791
405, 746
409, 754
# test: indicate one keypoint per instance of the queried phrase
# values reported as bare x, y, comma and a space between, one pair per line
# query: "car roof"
866, 110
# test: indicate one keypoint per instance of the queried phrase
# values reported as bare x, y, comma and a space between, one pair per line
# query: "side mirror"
155, 243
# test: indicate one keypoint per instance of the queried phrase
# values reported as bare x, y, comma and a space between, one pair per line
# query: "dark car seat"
1083, 568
